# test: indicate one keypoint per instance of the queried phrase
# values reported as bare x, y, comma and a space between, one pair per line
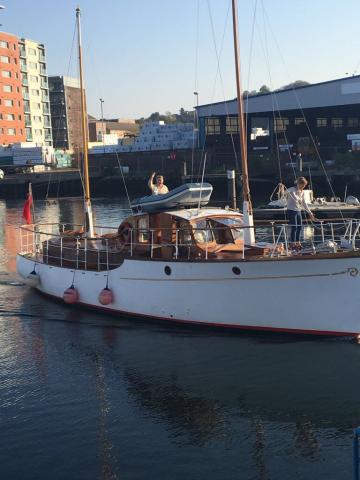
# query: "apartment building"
12, 122
35, 92
65, 106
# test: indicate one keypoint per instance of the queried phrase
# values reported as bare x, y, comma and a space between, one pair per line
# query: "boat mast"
87, 201
249, 235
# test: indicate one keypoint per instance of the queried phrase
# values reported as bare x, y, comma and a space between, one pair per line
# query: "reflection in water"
200, 418
108, 459
193, 403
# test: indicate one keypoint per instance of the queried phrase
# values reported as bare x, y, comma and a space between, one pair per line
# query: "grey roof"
342, 91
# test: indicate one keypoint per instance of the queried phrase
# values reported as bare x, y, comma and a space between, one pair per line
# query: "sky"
143, 56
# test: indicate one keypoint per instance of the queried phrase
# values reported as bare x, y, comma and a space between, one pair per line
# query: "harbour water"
89, 396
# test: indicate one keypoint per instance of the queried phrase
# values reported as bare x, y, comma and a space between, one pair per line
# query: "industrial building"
323, 116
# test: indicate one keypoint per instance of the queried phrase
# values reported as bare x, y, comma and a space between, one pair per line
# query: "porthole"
167, 270
236, 270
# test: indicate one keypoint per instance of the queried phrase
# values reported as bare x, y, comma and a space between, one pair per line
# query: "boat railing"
64, 246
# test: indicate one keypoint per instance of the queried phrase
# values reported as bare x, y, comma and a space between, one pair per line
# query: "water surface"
89, 396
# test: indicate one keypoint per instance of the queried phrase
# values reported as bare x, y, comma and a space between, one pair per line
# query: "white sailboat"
200, 265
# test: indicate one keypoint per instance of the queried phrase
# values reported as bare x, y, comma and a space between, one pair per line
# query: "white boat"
322, 207
202, 266
190, 194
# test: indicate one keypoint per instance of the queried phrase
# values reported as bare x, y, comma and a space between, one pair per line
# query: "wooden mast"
84, 126
249, 236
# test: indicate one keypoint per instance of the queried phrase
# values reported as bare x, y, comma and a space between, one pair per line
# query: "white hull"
319, 296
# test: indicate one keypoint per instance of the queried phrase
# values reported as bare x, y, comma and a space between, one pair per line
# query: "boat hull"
322, 295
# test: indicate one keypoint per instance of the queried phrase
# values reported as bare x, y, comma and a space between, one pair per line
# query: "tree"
264, 89
296, 84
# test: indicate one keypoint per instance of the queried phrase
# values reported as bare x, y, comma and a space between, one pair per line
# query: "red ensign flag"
26, 215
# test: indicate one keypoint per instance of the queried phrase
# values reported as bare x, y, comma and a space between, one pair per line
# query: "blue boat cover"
187, 195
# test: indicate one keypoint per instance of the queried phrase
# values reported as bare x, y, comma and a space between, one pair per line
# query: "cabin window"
143, 230
227, 235
232, 125
203, 232
321, 122
185, 234
212, 126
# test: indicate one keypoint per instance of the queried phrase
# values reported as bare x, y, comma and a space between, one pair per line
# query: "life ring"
124, 233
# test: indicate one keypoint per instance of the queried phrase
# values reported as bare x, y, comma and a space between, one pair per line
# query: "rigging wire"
63, 107
303, 114
196, 92
123, 178
218, 53
274, 100
249, 65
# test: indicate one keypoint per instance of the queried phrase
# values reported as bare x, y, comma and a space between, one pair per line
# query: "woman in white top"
160, 188
296, 203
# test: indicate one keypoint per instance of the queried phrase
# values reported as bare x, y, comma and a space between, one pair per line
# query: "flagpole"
32, 201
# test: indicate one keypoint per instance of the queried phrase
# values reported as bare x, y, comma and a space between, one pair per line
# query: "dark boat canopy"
187, 195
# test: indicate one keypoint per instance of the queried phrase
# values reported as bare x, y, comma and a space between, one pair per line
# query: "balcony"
44, 97
22, 52
25, 81
46, 110
23, 68
26, 96
42, 70
29, 138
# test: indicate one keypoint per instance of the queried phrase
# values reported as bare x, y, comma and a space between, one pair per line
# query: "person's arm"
150, 182
306, 207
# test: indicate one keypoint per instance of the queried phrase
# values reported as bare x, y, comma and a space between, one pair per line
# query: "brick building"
12, 121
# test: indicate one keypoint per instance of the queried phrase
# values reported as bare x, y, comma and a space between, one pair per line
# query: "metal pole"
231, 188
84, 127
102, 123
242, 132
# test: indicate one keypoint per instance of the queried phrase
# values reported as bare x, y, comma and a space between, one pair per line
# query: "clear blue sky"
140, 54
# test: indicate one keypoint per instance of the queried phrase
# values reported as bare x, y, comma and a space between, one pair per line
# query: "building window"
38, 132
4, 44
34, 78
33, 65
10, 116
232, 125
281, 124
337, 122
11, 131
32, 51
4, 59
36, 118
353, 122
35, 106
8, 103
6, 74
321, 122
7, 88
299, 120
36, 93
212, 126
